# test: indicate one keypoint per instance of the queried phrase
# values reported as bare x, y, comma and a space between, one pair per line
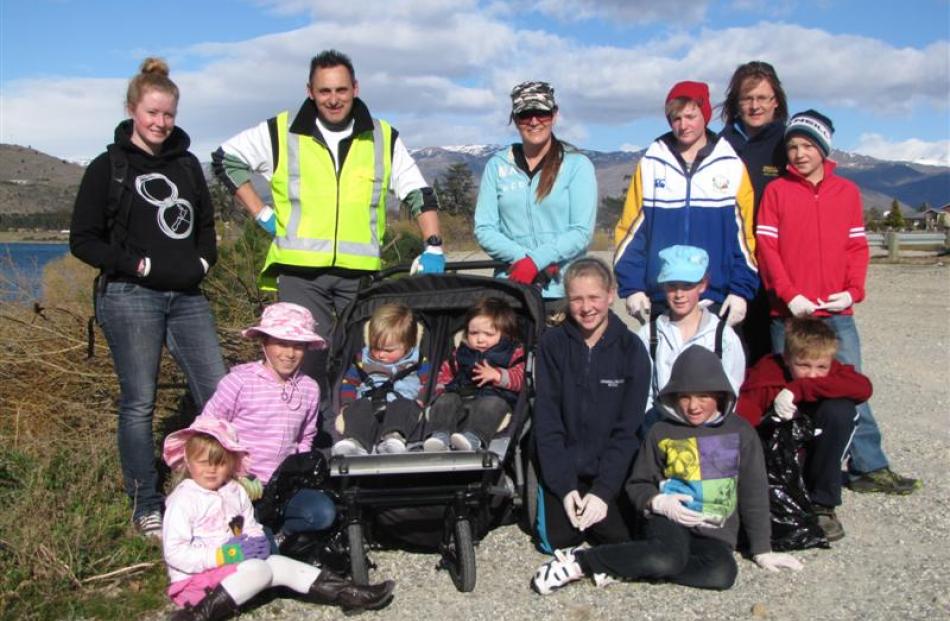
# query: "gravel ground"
893, 564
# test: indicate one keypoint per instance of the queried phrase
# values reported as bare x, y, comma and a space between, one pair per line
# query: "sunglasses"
542, 116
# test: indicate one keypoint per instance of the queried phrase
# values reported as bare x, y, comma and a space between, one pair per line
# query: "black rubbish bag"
794, 523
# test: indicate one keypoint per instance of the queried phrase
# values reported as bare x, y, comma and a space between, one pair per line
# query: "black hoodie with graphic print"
170, 220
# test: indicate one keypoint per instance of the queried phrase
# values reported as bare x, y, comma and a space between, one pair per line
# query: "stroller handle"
452, 266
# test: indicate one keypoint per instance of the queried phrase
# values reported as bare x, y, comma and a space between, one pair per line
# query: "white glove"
836, 302
735, 307
638, 306
573, 507
784, 405
594, 510
801, 306
672, 507
773, 561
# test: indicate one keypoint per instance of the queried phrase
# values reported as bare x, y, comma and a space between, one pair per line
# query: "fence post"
893, 247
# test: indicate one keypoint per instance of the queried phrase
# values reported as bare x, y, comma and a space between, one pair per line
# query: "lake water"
21, 266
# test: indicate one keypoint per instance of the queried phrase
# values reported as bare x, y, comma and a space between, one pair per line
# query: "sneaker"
149, 524
556, 573
347, 448
829, 523
436, 443
467, 441
884, 481
391, 445
602, 580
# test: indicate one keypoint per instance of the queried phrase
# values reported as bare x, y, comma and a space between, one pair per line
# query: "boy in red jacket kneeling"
807, 380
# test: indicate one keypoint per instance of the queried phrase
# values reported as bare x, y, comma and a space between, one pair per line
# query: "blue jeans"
867, 455
137, 322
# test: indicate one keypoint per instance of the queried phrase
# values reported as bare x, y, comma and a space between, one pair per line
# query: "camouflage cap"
532, 96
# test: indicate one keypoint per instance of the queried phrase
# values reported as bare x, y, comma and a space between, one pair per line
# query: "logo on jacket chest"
720, 182
176, 216
612, 383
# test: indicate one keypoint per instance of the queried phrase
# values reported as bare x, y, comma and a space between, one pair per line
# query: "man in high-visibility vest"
329, 168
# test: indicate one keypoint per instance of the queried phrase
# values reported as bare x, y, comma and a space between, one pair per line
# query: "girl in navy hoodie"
593, 376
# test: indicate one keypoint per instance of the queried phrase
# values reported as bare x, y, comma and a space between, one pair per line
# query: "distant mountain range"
32, 181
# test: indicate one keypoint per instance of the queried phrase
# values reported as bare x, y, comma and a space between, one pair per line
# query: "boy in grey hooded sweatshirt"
699, 472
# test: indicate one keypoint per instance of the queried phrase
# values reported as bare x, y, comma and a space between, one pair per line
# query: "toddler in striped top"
274, 407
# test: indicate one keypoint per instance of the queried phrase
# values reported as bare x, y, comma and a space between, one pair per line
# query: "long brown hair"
550, 168
756, 70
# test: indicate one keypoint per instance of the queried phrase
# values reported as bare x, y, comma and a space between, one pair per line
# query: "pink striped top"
273, 419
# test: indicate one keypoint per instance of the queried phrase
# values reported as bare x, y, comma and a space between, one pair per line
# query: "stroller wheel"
359, 566
458, 554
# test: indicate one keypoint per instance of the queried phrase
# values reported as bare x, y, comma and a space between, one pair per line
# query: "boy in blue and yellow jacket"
691, 189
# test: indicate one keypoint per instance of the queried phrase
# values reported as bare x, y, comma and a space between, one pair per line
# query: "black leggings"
481, 415
554, 529
670, 552
836, 418
361, 423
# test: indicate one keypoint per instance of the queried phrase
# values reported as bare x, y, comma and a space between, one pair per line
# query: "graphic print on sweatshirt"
175, 215
706, 468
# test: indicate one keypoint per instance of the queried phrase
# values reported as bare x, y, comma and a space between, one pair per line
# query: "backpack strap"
720, 329
118, 206
654, 339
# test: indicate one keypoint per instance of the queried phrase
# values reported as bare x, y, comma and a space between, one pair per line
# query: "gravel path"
893, 564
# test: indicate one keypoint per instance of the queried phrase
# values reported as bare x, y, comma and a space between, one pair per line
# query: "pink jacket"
196, 525
273, 419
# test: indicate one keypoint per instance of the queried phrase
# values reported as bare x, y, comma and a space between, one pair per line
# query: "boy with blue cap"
684, 278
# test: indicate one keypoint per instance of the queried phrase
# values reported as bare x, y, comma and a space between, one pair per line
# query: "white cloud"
441, 70
934, 153
628, 11
630, 148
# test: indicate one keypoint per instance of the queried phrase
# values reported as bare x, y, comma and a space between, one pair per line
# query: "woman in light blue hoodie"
538, 198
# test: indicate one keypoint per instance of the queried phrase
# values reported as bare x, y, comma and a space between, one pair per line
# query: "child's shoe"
392, 444
466, 441
149, 524
562, 569
348, 448
438, 442
331, 588
217, 604
884, 481
829, 523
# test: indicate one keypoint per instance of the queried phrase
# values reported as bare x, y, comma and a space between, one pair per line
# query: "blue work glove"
431, 261
242, 548
267, 220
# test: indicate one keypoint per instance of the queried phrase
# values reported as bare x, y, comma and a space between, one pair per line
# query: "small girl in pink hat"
274, 406
216, 552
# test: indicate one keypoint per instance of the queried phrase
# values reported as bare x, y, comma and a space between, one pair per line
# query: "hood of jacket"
696, 370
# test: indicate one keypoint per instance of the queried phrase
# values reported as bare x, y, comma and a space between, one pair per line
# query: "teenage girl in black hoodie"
152, 247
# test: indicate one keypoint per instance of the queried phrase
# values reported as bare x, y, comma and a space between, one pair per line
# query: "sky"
440, 70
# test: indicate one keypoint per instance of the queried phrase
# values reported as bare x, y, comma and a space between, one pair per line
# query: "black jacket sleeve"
557, 465
619, 453
89, 236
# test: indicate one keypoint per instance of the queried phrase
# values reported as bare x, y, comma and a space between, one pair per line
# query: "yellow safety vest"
325, 219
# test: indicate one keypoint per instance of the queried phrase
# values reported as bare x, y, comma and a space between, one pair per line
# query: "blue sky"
440, 70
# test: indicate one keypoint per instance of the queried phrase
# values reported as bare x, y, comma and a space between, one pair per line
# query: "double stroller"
432, 501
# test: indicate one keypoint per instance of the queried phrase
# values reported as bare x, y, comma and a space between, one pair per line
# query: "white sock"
251, 577
292, 574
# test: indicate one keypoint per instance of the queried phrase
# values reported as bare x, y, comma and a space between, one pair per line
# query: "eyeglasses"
541, 116
760, 100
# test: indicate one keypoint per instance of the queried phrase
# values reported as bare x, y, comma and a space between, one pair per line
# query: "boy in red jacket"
807, 380
813, 259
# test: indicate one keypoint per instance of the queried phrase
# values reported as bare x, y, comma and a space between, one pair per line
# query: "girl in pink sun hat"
216, 552
274, 408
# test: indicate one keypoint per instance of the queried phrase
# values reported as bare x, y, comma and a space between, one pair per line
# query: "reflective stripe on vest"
323, 218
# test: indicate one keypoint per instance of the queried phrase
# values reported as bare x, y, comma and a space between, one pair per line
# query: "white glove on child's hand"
638, 306
595, 510
672, 507
784, 405
773, 561
801, 306
573, 507
836, 302
733, 309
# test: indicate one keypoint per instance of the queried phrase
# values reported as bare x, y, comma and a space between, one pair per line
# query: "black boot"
331, 588
216, 606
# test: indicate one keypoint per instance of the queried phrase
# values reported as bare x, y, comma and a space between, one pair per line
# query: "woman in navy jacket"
593, 376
